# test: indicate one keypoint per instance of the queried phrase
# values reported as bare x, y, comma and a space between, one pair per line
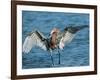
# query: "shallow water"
74, 54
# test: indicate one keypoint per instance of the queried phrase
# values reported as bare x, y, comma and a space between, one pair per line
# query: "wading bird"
57, 39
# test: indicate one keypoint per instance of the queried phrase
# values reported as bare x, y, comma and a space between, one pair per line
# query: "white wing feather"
32, 41
67, 38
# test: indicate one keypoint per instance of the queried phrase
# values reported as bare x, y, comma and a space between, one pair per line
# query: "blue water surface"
74, 54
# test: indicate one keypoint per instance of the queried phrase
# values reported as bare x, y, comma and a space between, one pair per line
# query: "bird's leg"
52, 59
59, 57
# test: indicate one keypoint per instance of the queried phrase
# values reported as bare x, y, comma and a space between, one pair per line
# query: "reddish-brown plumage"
53, 40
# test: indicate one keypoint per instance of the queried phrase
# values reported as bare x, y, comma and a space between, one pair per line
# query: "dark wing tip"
74, 29
83, 26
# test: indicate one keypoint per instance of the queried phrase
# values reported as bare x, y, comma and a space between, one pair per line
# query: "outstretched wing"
68, 34
35, 39
64, 38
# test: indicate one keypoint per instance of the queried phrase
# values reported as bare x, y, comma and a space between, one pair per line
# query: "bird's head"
55, 30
